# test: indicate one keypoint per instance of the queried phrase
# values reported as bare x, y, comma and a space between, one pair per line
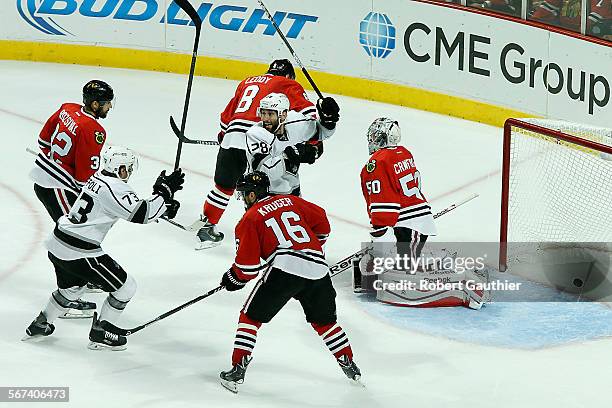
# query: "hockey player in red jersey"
401, 222
566, 13
239, 115
70, 143
282, 236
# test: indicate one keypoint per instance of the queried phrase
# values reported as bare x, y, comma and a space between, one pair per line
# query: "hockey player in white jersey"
281, 142
277, 145
74, 246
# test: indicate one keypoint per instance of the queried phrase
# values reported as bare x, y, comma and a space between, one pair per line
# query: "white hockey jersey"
102, 201
265, 150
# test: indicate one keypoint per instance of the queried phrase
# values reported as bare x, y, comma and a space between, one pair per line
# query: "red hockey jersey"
284, 232
70, 143
567, 13
391, 186
241, 111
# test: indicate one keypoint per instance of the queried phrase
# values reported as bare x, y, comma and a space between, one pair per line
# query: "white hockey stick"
346, 263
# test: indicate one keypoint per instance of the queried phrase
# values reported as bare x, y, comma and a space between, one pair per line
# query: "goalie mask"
383, 132
278, 103
116, 157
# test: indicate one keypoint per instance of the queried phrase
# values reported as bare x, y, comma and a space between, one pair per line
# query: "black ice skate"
207, 235
350, 368
79, 309
93, 288
39, 328
100, 339
230, 379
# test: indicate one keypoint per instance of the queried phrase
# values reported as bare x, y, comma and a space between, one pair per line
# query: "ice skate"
39, 328
350, 369
207, 236
100, 339
231, 378
79, 309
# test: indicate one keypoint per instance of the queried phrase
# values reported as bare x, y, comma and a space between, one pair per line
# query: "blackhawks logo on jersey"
99, 137
371, 166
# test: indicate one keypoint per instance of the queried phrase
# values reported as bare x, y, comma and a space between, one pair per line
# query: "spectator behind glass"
566, 14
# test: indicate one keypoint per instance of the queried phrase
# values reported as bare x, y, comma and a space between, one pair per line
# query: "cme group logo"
377, 35
27, 10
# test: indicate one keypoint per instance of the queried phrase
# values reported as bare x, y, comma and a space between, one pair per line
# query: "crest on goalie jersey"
371, 166
99, 137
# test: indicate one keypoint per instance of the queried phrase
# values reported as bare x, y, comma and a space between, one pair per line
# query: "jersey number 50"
373, 186
296, 233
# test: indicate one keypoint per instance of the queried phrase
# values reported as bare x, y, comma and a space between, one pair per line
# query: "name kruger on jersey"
287, 232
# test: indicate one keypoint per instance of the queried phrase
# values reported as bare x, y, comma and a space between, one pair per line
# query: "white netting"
559, 191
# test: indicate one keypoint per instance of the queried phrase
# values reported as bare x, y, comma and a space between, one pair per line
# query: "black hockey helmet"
96, 90
256, 182
282, 67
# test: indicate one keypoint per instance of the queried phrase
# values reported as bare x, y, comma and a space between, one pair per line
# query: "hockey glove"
231, 282
302, 153
167, 185
329, 112
172, 208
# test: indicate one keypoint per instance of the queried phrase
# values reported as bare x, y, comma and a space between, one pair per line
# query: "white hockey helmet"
383, 132
114, 157
275, 101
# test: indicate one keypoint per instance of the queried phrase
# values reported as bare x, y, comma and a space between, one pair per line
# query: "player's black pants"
276, 288
409, 242
57, 201
231, 164
102, 271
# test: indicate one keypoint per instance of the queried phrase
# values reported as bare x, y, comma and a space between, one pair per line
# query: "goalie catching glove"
167, 185
329, 112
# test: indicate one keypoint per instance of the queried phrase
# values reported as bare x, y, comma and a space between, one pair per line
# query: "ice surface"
175, 363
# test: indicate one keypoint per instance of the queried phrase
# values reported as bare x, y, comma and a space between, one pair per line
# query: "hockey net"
556, 185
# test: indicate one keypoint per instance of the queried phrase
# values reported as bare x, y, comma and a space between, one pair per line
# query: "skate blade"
230, 385
358, 383
33, 339
206, 245
99, 346
78, 314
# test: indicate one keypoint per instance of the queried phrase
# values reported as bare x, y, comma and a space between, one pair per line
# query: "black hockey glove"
302, 153
167, 185
172, 208
231, 282
329, 112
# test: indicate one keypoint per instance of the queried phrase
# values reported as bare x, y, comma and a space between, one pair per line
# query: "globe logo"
377, 35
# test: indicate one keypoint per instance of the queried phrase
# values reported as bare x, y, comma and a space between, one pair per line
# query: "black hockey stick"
346, 263
184, 139
187, 140
295, 57
197, 21
127, 332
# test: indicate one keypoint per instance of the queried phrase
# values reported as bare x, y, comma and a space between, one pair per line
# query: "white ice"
176, 362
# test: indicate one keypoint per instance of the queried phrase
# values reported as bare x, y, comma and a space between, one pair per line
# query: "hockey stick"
197, 21
127, 332
185, 139
345, 263
295, 57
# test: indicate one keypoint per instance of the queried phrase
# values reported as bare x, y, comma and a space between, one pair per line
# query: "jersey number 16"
295, 232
